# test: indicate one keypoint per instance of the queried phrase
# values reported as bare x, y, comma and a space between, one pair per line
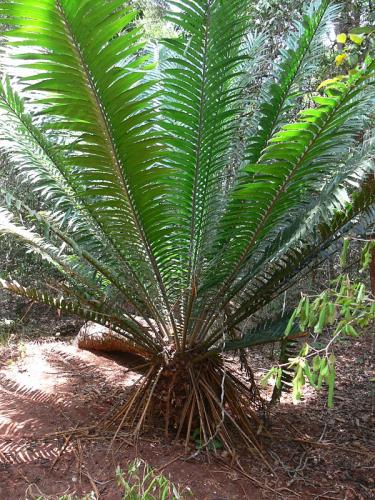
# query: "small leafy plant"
143, 483
6, 330
343, 310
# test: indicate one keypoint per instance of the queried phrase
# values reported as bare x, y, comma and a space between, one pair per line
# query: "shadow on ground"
52, 386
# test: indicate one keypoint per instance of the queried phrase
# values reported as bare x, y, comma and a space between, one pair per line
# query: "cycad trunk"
195, 395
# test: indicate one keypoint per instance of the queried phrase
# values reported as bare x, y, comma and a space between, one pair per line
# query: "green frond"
199, 118
41, 165
342, 198
308, 250
90, 278
126, 328
200, 104
103, 104
160, 196
266, 333
303, 48
298, 159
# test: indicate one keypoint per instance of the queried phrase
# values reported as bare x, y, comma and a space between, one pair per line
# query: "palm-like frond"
298, 159
139, 336
41, 163
86, 78
266, 333
148, 209
296, 64
306, 254
200, 108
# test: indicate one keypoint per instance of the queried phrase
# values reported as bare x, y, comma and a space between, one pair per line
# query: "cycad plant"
175, 206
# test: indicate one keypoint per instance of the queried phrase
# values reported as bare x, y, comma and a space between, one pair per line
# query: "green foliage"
143, 212
143, 483
214, 444
140, 482
367, 255
343, 310
7, 327
354, 47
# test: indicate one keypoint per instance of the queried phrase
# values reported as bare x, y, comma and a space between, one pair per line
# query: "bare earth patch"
49, 388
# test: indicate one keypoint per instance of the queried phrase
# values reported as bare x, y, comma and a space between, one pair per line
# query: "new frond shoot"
158, 232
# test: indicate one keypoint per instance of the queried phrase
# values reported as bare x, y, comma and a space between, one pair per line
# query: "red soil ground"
52, 386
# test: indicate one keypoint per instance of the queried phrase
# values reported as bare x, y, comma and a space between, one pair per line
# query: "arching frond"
40, 164
200, 108
119, 325
159, 198
81, 72
288, 175
296, 63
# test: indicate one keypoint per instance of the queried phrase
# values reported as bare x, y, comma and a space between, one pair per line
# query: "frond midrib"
222, 291
116, 161
38, 139
193, 243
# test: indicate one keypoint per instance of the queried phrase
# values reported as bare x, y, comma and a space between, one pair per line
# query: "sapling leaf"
322, 373
344, 252
322, 320
311, 376
341, 38
366, 256
305, 350
165, 493
279, 374
339, 327
360, 293
357, 39
341, 58
331, 313
343, 288
331, 379
299, 307
297, 384
264, 380
331, 387
316, 363
307, 307
350, 331
364, 30
316, 305
312, 319
290, 323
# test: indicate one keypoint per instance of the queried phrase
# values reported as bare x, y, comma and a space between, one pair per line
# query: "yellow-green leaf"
316, 363
330, 81
340, 59
357, 39
322, 319
341, 38
331, 386
360, 293
267, 376
345, 252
